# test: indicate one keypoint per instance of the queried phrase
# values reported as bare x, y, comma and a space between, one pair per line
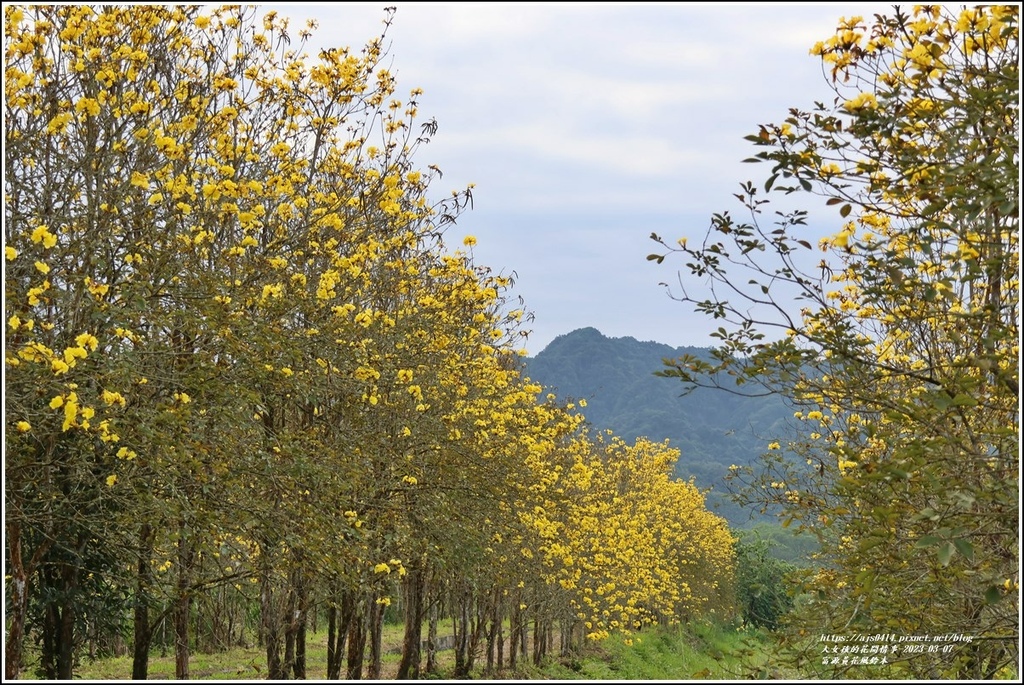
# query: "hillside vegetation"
712, 430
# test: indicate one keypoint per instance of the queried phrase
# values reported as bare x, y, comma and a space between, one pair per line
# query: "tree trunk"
182, 605
464, 635
332, 642
478, 625
143, 631
459, 629
17, 596
431, 667
270, 622
565, 636
300, 648
59, 582
538, 641
290, 625
356, 646
523, 636
66, 655
501, 636
376, 628
338, 621
409, 667
492, 629
515, 628
298, 617
50, 641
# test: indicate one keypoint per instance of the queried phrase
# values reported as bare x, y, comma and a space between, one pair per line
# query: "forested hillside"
616, 377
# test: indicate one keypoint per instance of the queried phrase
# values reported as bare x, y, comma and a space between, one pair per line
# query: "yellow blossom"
87, 340
41, 234
70, 412
112, 398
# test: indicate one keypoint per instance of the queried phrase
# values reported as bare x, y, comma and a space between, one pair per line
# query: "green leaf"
963, 400
927, 541
868, 543
866, 580
993, 594
656, 257
965, 548
845, 210
945, 553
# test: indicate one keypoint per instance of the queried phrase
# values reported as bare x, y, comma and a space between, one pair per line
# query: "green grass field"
697, 652
245, 664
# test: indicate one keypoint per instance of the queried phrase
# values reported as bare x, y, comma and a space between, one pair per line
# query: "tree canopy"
898, 343
248, 380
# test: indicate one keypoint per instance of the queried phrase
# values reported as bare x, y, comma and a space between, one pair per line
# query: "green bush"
760, 582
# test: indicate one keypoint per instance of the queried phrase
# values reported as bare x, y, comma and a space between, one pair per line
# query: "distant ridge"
713, 429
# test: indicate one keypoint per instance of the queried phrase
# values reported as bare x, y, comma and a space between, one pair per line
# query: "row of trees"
902, 353
245, 377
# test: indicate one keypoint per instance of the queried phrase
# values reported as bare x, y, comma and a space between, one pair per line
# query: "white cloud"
587, 126
550, 142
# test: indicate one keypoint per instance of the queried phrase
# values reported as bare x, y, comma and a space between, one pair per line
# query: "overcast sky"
586, 127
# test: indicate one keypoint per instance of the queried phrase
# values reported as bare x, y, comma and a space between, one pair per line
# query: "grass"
250, 664
696, 652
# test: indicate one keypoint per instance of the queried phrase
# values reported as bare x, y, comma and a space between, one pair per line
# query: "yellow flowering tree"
196, 227
76, 288
245, 372
899, 342
627, 544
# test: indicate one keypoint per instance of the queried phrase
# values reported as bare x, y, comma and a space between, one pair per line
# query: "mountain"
711, 428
